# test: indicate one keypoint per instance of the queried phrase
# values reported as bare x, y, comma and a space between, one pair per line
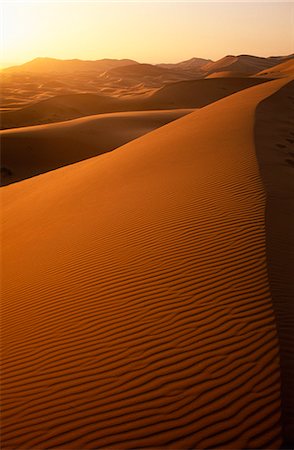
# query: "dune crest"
138, 311
29, 151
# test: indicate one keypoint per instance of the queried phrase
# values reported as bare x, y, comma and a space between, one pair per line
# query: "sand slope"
274, 134
244, 64
136, 296
186, 94
285, 69
29, 151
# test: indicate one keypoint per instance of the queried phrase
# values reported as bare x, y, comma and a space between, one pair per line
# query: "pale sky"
147, 31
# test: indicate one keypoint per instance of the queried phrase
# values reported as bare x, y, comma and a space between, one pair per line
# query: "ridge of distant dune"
183, 94
285, 69
193, 64
274, 136
136, 296
138, 70
29, 151
41, 65
244, 64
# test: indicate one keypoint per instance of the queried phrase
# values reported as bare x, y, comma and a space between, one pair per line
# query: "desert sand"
137, 295
182, 94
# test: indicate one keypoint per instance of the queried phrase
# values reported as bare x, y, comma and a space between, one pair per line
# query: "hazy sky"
150, 31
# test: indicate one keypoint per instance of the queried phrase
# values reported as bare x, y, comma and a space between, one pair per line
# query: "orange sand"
136, 294
29, 151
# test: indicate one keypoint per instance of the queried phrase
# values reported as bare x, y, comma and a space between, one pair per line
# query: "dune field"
181, 94
145, 298
43, 78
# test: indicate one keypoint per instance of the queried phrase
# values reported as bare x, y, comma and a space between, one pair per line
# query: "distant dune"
191, 65
29, 151
41, 65
61, 107
137, 301
284, 69
43, 78
187, 94
138, 70
242, 64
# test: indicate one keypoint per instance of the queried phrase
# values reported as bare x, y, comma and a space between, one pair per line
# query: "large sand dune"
136, 294
29, 151
243, 64
186, 94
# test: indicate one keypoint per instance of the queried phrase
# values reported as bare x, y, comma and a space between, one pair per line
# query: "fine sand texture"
274, 135
136, 297
29, 151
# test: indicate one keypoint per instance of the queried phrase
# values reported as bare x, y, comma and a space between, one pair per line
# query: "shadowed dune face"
136, 294
187, 94
274, 135
29, 151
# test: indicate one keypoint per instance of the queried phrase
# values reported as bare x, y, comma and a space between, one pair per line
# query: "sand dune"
187, 94
147, 76
29, 151
198, 93
227, 74
45, 65
242, 64
59, 108
139, 70
43, 78
274, 135
284, 69
136, 294
192, 65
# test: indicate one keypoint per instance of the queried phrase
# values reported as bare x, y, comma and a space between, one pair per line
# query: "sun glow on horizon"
147, 32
